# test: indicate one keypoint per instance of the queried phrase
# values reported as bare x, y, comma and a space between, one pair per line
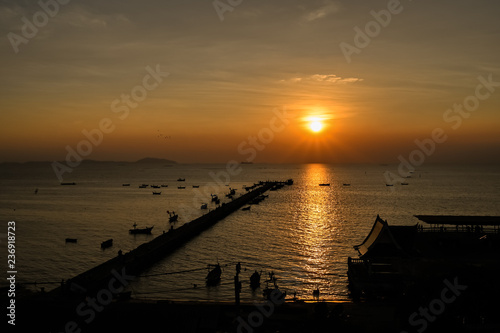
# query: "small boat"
346, 184
143, 186
126, 184
181, 179
324, 184
389, 184
155, 186
213, 277
107, 243
255, 280
164, 185
246, 208
172, 217
181, 187
404, 183
71, 240
156, 193
204, 206
136, 230
73, 183
196, 186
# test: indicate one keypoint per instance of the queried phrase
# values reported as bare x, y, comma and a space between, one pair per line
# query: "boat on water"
72, 183
346, 184
196, 186
164, 185
181, 187
71, 240
324, 184
255, 280
136, 230
181, 179
143, 186
213, 276
155, 186
126, 184
156, 193
107, 243
172, 216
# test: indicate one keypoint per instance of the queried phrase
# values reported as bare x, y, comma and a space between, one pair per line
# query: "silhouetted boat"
324, 184
107, 243
213, 277
347, 184
255, 280
404, 183
181, 179
156, 193
172, 217
389, 184
155, 186
73, 183
164, 185
125, 184
181, 187
196, 186
136, 230
71, 240
143, 186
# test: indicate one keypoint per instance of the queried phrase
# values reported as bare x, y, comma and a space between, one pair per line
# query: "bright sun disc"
315, 126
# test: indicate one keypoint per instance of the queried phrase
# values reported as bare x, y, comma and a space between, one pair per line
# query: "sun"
316, 126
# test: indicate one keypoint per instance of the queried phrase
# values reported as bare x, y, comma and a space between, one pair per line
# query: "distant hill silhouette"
155, 160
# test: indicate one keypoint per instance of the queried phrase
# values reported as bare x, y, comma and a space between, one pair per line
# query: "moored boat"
136, 230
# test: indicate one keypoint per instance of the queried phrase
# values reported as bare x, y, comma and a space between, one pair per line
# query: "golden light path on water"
316, 228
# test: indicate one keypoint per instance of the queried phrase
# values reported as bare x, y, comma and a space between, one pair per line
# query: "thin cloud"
324, 78
329, 7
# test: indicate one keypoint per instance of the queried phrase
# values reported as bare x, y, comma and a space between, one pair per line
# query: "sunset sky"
246, 79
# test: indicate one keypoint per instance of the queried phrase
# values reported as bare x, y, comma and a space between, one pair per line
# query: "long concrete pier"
145, 255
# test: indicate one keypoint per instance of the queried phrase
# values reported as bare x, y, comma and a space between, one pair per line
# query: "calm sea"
303, 233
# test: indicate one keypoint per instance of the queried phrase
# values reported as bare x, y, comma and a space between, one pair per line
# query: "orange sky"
227, 79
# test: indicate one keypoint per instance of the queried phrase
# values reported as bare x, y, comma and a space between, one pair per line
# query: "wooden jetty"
149, 253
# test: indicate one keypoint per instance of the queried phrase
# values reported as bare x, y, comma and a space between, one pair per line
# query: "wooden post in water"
237, 285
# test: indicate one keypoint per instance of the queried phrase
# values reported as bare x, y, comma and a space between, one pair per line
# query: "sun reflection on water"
316, 229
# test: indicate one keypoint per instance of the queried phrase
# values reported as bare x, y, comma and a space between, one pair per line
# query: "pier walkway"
147, 254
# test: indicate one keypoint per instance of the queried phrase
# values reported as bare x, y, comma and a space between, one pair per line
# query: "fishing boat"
181, 187
126, 184
156, 193
255, 280
196, 186
107, 243
172, 217
143, 186
136, 230
213, 276
324, 184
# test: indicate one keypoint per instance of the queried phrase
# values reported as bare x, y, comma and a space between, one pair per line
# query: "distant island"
146, 160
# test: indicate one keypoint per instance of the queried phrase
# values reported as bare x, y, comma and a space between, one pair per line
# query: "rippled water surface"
303, 233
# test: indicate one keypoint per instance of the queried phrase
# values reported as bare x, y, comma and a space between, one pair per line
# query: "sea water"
302, 233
